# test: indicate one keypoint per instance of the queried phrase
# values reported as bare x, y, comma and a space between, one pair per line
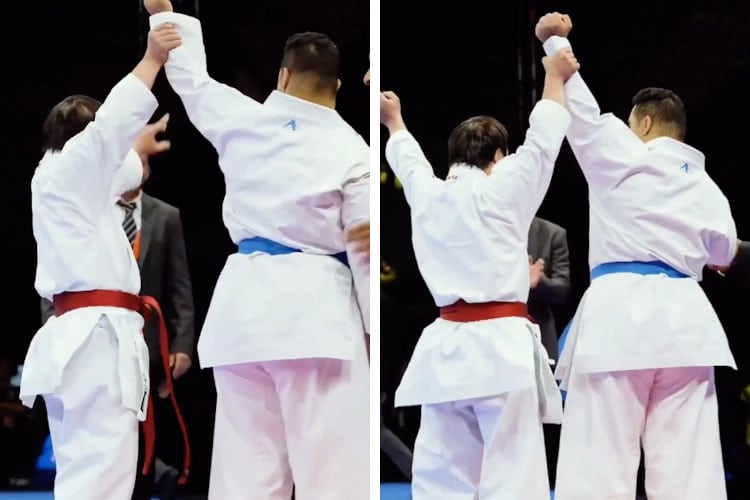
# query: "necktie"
128, 224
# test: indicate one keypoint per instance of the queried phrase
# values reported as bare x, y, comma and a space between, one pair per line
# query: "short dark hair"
66, 119
663, 106
315, 53
476, 140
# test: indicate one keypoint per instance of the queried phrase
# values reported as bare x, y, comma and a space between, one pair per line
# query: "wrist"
396, 125
151, 62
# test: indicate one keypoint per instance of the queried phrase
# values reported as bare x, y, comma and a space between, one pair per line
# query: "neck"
130, 195
304, 93
657, 132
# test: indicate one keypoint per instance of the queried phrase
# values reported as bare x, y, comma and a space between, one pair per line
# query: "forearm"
213, 108
409, 164
554, 89
101, 149
551, 290
396, 125
146, 71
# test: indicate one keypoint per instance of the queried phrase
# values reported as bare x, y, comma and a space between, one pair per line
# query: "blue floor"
400, 491
29, 495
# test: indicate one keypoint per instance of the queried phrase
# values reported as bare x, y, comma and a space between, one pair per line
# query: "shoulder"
160, 205
548, 226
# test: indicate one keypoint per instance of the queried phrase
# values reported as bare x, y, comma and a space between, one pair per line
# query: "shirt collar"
464, 171
293, 104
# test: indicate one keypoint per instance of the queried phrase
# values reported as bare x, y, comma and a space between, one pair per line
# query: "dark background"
53, 48
453, 63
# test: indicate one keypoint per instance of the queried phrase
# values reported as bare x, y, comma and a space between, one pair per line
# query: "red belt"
463, 312
146, 306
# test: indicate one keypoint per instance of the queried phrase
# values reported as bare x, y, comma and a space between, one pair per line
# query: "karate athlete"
90, 362
480, 372
284, 331
639, 356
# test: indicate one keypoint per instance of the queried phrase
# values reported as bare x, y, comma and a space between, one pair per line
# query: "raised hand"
562, 64
553, 24
161, 40
390, 111
156, 6
147, 144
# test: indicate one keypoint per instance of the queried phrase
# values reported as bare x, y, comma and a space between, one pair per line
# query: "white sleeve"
129, 175
520, 181
92, 160
603, 144
355, 211
215, 109
411, 167
721, 240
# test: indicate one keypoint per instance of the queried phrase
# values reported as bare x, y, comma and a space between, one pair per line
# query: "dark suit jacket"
164, 276
741, 265
548, 241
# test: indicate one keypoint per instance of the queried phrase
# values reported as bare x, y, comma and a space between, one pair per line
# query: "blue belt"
642, 268
270, 247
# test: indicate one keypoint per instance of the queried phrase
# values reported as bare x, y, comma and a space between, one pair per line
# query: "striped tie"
128, 224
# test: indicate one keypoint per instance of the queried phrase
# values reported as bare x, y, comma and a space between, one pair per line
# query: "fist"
390, 108
161, 40
553, 24
562, 64
156, 6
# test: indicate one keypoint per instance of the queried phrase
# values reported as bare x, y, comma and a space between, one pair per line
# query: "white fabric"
648, 201
673, 411
470, 237
81, 245
80, 242
488, 449
303, 422
297, 174
95, 439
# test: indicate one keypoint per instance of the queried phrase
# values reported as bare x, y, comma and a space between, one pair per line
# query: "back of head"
314, 57
68, 118
476, 142
665, 109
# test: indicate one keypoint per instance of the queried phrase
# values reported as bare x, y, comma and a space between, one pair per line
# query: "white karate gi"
638, 362
284, 333
485, 387
91, 364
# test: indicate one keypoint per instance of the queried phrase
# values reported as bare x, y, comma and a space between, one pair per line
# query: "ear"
338, 84
283, 82
499, 155
647, 124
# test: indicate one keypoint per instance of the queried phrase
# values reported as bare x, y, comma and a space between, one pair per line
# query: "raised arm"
355, 213
596, 139
215, 109
519, 182
102, 157
403, 153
